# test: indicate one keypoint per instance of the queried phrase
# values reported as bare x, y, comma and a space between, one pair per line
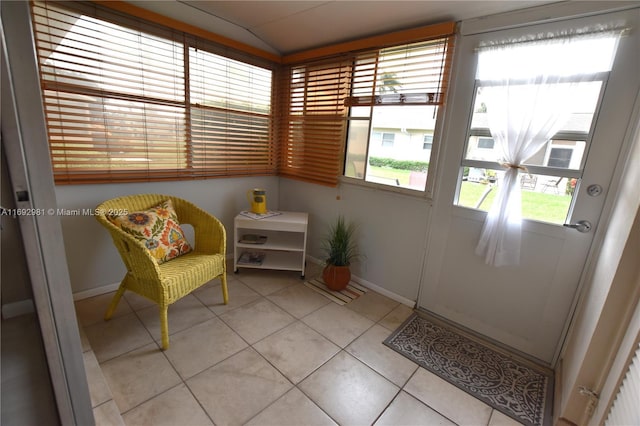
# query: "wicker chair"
167, 282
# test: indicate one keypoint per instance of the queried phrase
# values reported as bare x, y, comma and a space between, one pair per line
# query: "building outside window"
387, 140
427, 142
486, 143
391, 130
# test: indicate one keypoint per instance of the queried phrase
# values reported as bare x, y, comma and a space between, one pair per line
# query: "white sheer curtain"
528, 89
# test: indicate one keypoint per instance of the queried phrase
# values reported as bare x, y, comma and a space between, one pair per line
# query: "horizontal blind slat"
118, 108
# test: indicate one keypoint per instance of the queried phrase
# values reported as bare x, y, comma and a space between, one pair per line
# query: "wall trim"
15, 309
383, 291
97, 291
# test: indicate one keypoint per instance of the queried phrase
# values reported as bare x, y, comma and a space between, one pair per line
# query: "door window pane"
546, 194
545, 198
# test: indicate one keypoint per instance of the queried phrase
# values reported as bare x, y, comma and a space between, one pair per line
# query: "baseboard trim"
15, 309
85, 294
383, 291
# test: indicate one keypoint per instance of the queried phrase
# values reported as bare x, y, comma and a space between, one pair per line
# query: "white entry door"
526, 307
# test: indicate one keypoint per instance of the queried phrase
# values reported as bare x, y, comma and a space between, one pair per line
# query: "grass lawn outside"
389, 173
552, 208
540, 206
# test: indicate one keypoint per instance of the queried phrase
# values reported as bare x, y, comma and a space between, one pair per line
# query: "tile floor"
277, 354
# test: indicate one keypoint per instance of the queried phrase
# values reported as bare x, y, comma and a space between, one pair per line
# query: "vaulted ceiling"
284, 27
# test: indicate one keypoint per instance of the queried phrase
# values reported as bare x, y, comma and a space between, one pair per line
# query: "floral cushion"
158, 228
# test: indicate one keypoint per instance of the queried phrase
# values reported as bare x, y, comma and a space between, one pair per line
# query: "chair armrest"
136, 257
210, 235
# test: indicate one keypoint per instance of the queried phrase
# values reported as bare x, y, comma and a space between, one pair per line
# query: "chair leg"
114, 302
164, 327
225, 290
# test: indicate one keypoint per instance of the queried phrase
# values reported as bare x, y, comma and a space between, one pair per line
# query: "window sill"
386, 188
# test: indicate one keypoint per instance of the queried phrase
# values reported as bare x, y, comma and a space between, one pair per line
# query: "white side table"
285, 246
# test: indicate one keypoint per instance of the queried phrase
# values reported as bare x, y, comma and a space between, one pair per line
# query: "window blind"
314, 121
415, 74
126, 100
230, 112
320, 93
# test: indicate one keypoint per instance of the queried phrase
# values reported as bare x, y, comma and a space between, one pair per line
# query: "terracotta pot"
336, 277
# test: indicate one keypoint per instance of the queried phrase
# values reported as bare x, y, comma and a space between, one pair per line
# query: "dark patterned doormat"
514, 388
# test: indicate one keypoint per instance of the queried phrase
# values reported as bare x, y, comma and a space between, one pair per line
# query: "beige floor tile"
238, 388
299, 300
499, 419
349, 391
210, 375
98, 389
396, 317
138, 376
406, 410
337, 323
185, 313
138, 302
202, 346
107, 414
294, 409
369, 349
91, 310
177, 406
257, 320
447, 399
372, 305
267, 282
117, 336
239, 295
296, 350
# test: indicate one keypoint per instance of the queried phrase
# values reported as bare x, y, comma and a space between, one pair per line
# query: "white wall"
392, 229
391, 235
92, 258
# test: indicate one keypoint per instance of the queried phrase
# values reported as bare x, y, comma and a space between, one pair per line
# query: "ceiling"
284, 27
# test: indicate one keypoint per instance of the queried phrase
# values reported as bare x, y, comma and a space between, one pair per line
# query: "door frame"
605, 327
25, 141
443, 210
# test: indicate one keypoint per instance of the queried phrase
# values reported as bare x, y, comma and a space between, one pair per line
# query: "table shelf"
285, 246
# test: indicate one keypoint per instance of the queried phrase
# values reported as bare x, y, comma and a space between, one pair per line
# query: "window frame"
575, 136
562, 135
184, 142
332, 164
428, 190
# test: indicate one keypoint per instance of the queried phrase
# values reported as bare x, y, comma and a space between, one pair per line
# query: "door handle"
583, 226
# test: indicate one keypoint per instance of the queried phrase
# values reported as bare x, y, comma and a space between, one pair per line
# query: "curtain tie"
515, 166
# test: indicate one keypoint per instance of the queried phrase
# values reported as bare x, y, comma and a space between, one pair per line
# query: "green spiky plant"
339, 243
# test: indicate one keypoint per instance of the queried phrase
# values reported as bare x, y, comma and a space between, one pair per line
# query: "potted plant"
341, 249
